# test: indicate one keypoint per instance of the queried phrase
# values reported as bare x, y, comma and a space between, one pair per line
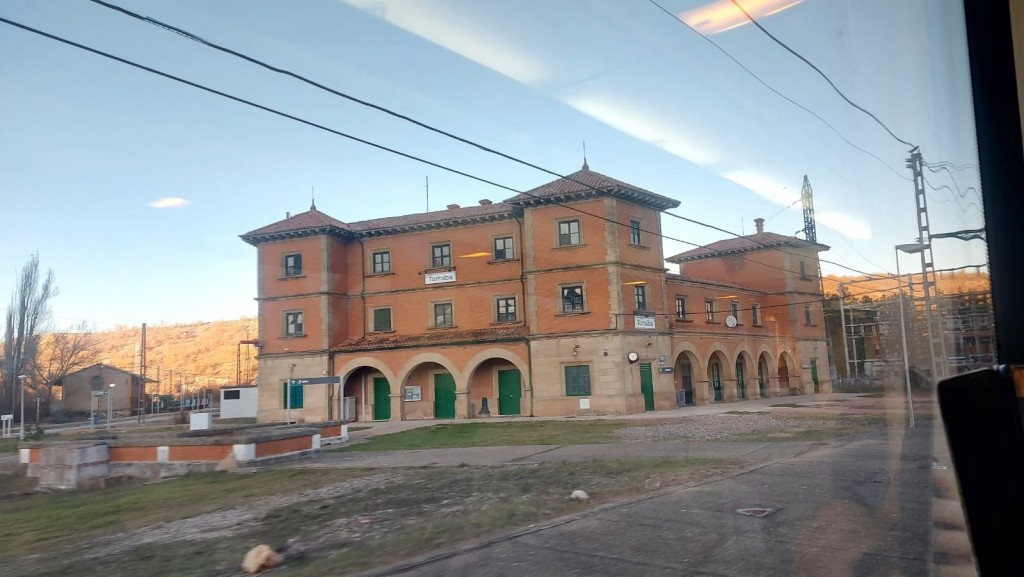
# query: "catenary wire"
779, 94
822, 74
195, 38
397, 152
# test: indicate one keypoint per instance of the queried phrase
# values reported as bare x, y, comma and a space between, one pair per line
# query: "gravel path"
723, 426
231, 521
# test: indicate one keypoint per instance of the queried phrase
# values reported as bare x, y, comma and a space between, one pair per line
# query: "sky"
134, 189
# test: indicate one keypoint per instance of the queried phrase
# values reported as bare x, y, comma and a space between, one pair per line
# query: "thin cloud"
170, 202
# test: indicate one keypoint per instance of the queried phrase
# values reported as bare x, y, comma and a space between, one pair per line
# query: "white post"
110, 403
21, 381
842, 320
903, 335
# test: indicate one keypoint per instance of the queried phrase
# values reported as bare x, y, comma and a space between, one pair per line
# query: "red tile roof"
434, 338
304, 224
586, 182
439, 218
673, 277
748, 243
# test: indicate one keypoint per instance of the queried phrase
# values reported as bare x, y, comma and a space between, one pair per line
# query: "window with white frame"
569, 233
572, 299
709, 309
382, 262
293, 264
293, 324
504, 249
443, 315
640, 297
681, 308
506, 309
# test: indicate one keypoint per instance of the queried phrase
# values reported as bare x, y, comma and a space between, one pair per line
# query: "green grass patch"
423, 510
44, 523
494, 435
8, 445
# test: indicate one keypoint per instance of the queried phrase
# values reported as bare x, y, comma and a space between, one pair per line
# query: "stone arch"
690, 374
440, 397
507, 395
717, 347
495, 353
371, 403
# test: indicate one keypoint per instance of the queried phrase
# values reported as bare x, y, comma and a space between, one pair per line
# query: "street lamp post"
110, 402
21, 382
909, 249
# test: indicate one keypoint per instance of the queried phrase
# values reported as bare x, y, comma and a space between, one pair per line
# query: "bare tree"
27, 318
60, 355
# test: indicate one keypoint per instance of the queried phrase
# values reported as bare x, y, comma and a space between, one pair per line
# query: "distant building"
553, 302
77, 389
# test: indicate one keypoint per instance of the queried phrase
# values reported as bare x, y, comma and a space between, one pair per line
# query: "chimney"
453, 206
287, 215
485, 202
759, 225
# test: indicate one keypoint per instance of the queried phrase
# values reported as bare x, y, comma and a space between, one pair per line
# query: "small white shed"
238, 402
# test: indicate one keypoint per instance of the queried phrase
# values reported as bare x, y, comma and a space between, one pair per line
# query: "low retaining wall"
71, 464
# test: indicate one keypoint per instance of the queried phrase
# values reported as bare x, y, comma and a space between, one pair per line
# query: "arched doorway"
783, 375
763, 375
496, 384
741, 378
430, 390
366, 396
716, 369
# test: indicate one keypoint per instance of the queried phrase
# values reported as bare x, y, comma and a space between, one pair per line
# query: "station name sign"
644, 322
439, 277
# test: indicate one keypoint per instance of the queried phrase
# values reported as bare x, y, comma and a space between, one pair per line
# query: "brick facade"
533, 306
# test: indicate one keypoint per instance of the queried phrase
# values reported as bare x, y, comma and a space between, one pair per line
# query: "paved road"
857, 507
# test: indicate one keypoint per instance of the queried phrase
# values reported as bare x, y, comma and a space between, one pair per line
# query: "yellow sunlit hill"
954, 282
203, 352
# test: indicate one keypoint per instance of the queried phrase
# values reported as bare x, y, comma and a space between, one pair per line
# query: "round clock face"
633, 357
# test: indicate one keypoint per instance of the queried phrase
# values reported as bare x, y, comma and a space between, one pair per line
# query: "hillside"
948, 283
205, 351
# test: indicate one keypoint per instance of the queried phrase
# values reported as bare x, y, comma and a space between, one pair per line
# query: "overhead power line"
780, 94
951, 165
822, 74
400, 153
301, 78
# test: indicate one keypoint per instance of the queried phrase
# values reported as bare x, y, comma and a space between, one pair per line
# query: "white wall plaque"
439, 277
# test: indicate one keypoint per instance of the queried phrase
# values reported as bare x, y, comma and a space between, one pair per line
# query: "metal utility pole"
915, 164
142, 382
807, 198
842, 320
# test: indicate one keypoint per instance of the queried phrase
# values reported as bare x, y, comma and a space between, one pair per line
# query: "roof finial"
312, 196
585, 165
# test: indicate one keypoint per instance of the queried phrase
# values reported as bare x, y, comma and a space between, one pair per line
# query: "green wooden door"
509, 392
741, 380
716, 380
381, 399
762, 377
647, 386
814, 373
444, 396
